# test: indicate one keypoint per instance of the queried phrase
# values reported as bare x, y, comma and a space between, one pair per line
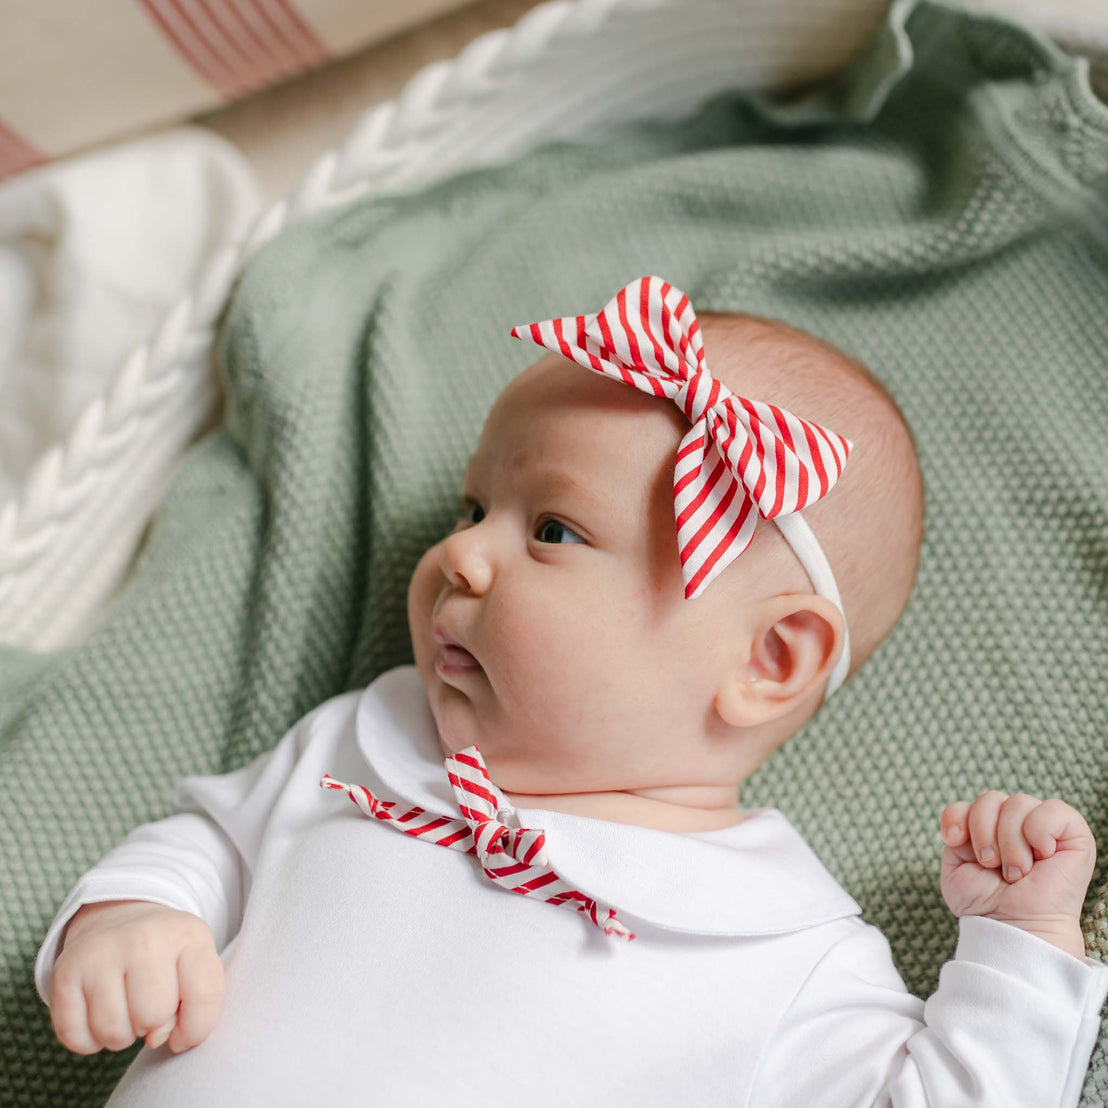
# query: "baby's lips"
458, 656
452, 651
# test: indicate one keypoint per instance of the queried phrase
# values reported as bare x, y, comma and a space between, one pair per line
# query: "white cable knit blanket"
93, 250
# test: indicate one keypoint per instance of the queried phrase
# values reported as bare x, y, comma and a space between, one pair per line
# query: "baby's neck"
676, 808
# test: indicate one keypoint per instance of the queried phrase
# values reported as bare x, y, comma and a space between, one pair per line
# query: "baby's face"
550, 627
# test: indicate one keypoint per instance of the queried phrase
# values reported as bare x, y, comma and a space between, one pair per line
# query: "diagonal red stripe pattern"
512, 857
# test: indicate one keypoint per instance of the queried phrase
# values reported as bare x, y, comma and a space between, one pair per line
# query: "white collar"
756, 878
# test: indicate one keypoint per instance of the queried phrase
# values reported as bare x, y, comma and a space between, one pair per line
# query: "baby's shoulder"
324, 724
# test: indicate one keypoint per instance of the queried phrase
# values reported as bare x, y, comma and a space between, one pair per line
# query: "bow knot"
698, 393
493, 840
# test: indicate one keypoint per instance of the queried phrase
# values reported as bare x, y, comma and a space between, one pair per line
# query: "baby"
599, 693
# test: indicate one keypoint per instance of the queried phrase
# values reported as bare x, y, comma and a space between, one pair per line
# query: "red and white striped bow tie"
513, 858
738, 455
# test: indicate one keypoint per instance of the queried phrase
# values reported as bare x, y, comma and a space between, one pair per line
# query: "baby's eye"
472, 512
554, 531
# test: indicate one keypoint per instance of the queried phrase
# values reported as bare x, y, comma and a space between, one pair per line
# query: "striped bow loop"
513, 858
741, 458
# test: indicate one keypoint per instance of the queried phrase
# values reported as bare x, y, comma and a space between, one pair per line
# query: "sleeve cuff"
988, 942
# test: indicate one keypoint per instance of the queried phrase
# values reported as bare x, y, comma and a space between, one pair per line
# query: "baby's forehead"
571, 407
561, 429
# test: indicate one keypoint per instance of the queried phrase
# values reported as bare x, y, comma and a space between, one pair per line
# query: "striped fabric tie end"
513, 858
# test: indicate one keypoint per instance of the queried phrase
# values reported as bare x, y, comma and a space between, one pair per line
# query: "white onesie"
365, 966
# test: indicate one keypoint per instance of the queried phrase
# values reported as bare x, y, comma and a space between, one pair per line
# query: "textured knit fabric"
940, 212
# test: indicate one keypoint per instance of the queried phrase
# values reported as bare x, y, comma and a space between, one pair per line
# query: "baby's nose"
465, 562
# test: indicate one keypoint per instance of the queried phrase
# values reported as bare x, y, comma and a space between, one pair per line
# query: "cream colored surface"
74, 74
282, 129
340, 22
62, 84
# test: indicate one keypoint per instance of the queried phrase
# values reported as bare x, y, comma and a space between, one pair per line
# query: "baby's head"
551, 627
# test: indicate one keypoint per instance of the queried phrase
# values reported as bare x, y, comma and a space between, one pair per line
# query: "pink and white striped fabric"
739, 455
513, 858
238, 46
116, 69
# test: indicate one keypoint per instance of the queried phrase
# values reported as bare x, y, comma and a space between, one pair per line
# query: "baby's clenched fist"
1020, 860
130, 969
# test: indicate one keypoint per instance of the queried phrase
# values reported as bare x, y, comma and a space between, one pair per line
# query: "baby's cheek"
422, 590
573, 659
531, 638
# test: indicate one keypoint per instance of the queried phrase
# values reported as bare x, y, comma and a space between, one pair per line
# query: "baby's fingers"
152, 997
108, 1019
69, 1013
200, 975
953, 823
159, 1035
1055, 824
1015, 852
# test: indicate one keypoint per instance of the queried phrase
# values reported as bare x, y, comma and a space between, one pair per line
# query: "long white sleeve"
1012, 1025
200, 859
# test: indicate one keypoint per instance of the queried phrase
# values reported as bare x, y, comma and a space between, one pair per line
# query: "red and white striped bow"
513, 858
739, 453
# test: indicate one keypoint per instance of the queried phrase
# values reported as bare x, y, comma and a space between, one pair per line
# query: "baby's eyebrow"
559, 480
548, 480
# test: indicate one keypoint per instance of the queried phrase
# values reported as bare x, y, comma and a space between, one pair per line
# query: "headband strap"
796, 532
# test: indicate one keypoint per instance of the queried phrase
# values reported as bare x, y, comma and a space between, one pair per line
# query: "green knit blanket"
940, 211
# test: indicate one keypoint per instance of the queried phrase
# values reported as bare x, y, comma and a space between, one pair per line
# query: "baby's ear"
796, 640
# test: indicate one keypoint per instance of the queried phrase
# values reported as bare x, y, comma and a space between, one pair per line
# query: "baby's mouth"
453, 658
457, 656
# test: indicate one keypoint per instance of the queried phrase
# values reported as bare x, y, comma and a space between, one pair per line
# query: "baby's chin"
512, 766
450, 709
455, 735
449, 745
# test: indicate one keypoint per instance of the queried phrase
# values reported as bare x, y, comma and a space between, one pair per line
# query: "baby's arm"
1017, 1012
1011, 1025
107, 969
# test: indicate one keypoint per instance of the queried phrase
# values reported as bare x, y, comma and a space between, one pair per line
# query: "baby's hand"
1019, 860
124, 968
